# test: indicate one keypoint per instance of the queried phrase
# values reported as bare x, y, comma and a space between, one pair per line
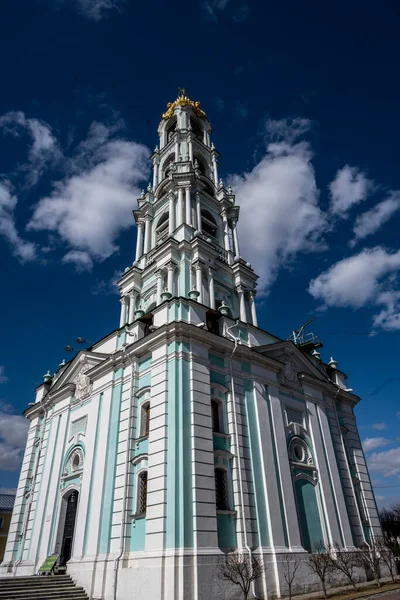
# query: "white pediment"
294, 362
77, 372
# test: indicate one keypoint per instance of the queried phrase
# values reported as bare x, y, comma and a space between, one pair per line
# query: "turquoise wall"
256, 465
111, 461
310, 523
226, 525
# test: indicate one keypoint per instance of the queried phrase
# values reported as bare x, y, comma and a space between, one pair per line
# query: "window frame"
145, 415
140, 509
221, 417
226, 495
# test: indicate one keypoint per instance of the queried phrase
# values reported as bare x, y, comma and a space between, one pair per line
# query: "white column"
139, 240
211, 287
159, 286
253, 308
132, 302
171, 222
215, 169
236, 239
198, 212
147, 235
199, 281
188, 205
226, 234
155, 172
242, 302
176, 147
190, 148
122, 319
179, 216
170, 279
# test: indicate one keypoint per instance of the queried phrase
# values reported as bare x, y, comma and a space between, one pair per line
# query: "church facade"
188, 431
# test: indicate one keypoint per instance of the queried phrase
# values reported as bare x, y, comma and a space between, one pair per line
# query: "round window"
76, 462
298, 452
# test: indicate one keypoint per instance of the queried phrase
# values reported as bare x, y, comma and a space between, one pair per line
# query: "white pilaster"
253, 308
211, 287
198, 212
226, 233
155, 171
139, 240
243, 316
147, 235
132, 302
188, 206
159, 286
215, 169
170, 280
199, 281
171, 222
179, 216
236, 239
124, 304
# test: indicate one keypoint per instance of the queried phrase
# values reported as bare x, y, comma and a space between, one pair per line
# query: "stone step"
41, 588
35, 579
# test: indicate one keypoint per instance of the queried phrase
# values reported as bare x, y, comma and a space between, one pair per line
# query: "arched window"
168, 166
171, 130
145, 419
216, 416
162, 228
197, 130
221, 489
142, 493
208, 224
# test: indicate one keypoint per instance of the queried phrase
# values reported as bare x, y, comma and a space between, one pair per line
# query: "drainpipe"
29, 507
127, 466
243, 513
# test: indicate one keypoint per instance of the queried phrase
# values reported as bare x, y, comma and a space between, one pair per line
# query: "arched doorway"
67, 526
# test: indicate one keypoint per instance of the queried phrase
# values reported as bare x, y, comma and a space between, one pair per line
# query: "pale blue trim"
329, 478
172, 500
186, 540
256, 467
110, 469
277, 473
55, 511
92, 475
47, 490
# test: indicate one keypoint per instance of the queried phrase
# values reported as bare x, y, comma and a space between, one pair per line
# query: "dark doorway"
69, 527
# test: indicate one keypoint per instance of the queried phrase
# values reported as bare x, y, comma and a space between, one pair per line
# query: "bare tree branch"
240, 570
345, 561
290, 566
369, 559
320, 562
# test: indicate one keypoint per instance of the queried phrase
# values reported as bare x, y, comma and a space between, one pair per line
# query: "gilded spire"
184, 100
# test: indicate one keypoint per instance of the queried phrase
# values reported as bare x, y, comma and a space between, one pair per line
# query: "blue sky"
303, 100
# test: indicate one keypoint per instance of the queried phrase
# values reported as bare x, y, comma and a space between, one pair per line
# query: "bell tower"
187, 241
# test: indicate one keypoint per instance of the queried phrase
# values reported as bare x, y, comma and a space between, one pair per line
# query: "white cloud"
349, 187
370, 221
356, 280
44, 148
374, 443
280, 216
13, 432
389, 317
386, 463
367, 278
3, 378
96, 10
22, 249
108, 288
379, 426
93, 204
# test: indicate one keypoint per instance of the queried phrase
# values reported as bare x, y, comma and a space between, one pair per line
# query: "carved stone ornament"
83, 385
288, 375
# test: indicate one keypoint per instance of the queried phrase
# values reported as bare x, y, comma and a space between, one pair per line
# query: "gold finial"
184, 100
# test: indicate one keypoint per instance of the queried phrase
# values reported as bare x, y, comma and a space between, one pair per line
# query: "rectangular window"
221, 489
215, 416
1, 522
294, 416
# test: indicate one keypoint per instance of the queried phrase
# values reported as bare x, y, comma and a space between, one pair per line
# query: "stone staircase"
40, 587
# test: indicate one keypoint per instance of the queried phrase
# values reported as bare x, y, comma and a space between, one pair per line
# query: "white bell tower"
187, 241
